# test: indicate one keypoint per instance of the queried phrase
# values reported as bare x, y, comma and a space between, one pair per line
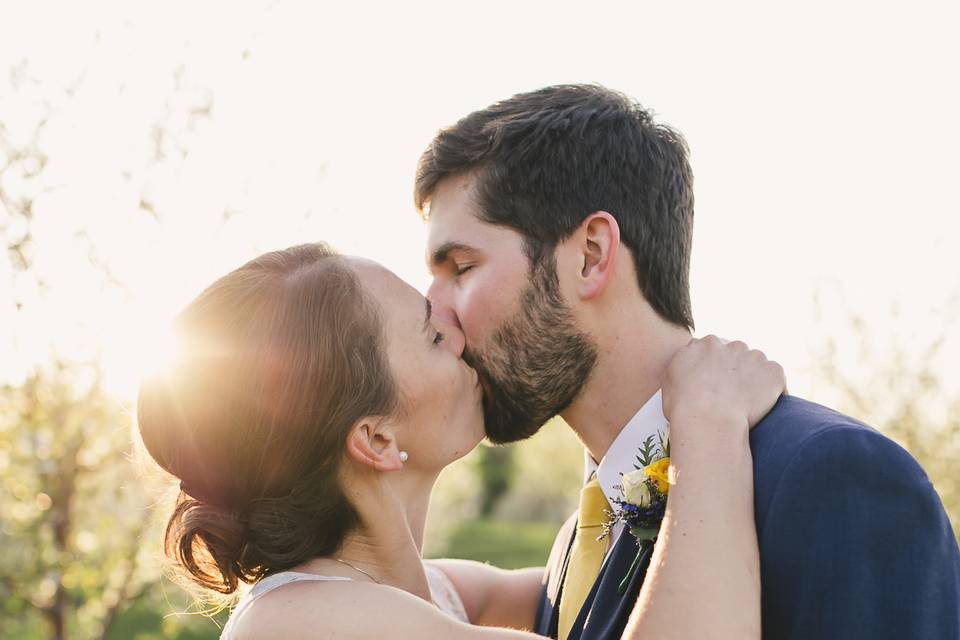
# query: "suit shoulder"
792, 422
795, 419
795, 425
802, 433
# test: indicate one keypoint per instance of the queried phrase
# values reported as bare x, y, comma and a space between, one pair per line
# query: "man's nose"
442, 304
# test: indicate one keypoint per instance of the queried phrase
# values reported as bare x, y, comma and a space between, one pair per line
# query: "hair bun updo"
278, 359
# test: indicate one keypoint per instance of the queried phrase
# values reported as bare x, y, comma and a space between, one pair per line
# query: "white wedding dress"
444, 594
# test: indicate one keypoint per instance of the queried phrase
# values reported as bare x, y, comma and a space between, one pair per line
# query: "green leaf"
647, 452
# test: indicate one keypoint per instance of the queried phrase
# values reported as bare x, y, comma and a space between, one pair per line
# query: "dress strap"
271, 582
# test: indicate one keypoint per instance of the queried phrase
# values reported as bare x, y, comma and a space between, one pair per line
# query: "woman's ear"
371, 443
598, 240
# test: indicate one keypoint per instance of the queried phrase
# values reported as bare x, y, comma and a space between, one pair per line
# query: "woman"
312, 408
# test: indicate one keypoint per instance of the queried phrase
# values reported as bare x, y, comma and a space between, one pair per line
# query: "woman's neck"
387, 547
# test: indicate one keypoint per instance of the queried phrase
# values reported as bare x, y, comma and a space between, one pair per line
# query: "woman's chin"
461, 441
477, 436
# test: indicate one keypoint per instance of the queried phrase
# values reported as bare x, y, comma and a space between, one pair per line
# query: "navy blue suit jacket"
854, 541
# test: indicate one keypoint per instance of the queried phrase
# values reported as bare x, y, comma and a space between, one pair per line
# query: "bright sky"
824, 141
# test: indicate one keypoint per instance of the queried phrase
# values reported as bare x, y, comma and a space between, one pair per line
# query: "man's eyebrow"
439, 255
426, 320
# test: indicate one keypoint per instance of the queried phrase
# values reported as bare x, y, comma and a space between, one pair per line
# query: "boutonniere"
644, 500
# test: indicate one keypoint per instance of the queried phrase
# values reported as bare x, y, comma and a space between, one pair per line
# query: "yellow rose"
660, 472
635, 489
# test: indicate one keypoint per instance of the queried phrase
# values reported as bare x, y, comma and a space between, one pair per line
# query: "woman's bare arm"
704, 576
495, 597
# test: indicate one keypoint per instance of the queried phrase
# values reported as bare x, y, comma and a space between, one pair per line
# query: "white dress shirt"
621, 457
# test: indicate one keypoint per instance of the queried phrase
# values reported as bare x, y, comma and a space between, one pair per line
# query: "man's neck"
630, 369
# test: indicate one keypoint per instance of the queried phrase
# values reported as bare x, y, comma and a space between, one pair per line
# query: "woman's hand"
714, 379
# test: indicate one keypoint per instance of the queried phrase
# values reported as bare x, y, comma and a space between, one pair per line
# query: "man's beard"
536, 362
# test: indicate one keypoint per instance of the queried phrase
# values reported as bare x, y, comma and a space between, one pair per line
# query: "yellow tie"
585, 557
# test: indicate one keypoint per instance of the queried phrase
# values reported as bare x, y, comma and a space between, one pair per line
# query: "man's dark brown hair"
543, 161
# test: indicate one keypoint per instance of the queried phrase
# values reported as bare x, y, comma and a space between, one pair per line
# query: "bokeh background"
147, 148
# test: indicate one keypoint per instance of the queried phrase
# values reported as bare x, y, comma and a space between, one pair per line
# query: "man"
560, 226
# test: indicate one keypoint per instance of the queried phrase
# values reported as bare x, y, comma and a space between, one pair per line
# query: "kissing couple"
317, 397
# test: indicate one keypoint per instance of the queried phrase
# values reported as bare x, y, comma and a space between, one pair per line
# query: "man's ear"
598, 240
371, 443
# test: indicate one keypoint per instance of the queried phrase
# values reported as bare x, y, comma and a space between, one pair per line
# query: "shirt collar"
622, 454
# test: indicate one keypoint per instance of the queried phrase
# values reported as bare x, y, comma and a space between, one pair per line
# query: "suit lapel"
549, 616
605, 612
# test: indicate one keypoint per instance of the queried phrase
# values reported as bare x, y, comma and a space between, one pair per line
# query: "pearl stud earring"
404, 456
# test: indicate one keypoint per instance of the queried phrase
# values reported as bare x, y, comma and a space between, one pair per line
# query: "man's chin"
506, 419
505, 429
499, 439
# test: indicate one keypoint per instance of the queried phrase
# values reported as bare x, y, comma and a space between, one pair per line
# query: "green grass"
508, 545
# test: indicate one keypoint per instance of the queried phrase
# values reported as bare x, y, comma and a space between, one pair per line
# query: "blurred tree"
548, 477
74, 511
496, 470
80, 554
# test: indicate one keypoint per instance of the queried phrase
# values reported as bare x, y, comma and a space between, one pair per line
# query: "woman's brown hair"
277, 360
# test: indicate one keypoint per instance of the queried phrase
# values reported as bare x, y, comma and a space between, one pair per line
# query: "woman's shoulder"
300, 608
351, 609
